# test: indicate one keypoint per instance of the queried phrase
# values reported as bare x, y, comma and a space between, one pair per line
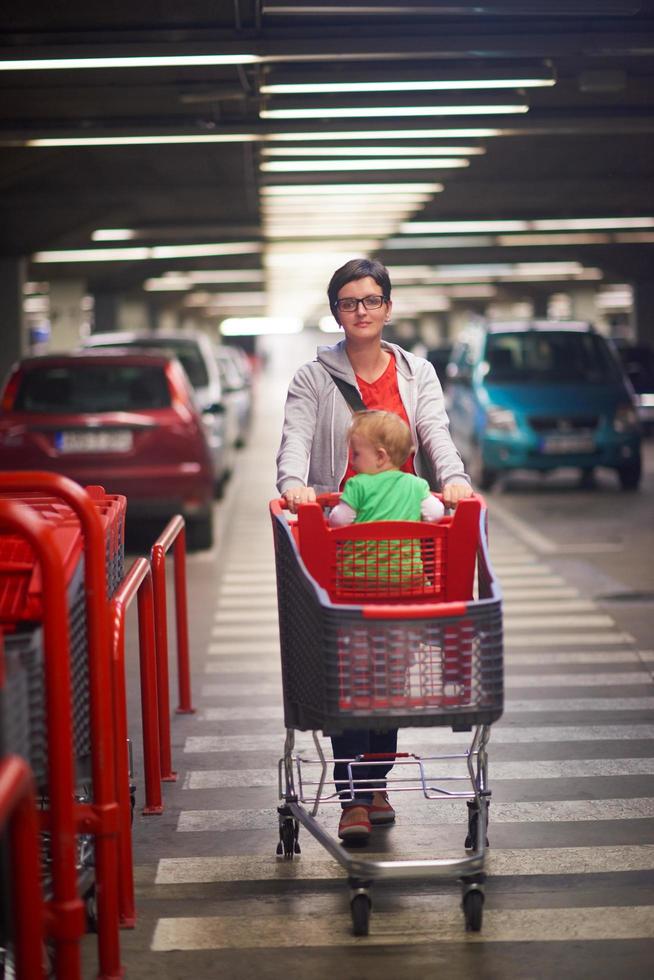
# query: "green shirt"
379, 566
387, 496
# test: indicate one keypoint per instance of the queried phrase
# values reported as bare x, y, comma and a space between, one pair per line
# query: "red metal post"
158, 561
169, 536
149, 697
185, 705
105, 805
67, 918
18, 810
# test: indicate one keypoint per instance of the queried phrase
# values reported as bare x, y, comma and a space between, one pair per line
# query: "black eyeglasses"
349, 304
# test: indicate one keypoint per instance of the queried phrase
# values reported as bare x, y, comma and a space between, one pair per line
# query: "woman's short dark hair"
358, 269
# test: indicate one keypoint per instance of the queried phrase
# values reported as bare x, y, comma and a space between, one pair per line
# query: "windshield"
82, 388
549, 357
187, 352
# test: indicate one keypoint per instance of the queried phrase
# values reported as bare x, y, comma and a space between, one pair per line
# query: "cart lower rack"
381, 627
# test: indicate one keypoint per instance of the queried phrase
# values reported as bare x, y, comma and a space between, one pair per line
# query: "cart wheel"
472, 840
360, 908
288, 843
473, 909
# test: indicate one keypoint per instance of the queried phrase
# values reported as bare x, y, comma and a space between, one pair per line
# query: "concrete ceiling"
584, 149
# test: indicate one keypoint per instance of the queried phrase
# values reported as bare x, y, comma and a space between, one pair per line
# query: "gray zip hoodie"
313, 450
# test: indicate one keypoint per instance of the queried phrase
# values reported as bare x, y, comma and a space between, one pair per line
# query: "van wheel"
629, 474
199, 532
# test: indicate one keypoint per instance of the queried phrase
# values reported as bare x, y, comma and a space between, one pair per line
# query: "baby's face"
365, 458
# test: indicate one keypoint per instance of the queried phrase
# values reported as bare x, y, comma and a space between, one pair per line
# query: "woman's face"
362, 324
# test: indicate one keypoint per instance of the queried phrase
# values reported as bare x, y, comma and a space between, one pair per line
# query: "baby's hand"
454, 492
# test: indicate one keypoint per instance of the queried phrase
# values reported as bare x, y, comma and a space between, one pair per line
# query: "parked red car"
126, 421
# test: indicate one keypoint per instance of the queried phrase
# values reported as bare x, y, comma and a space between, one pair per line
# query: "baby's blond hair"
384, 430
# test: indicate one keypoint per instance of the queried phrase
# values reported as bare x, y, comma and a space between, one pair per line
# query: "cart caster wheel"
472, 839
473, 909
288, 845
360, 909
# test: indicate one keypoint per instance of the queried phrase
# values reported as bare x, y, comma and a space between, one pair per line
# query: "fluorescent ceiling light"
437, 85
516, 225
113, 234
142, 254
436, 227
364, 151
134, 61
259, 326
306, 166
168, 284
322, 135
550, 238
365, 112
574, 224
141, 140
180, 281
293, 190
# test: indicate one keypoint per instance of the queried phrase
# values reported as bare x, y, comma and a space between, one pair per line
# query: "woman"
313, 459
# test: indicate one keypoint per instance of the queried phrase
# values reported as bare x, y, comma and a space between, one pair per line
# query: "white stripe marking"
571, 639
263, 631
229, 690
514, 622
518, 607
579, 680
419, 926
241, 616
273, 712
502, 734
245, 665
499, 862
534, 769
545, 658
441, 812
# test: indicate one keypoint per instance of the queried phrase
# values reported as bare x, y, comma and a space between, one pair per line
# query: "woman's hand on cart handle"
298, 495
454, 492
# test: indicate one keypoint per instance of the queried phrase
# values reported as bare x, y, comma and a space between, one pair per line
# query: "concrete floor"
571, 867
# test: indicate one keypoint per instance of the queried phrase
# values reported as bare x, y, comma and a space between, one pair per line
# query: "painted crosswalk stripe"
518, 593
515, 622
419, 926
229, 689
554, 658
244, 648
514, 607
273, 712
534, 769
578, 680
547, 639
440, 813
270, 665
499, 862
500, 735
243, 630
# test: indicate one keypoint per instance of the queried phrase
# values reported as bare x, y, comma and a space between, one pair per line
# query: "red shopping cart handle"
417, 610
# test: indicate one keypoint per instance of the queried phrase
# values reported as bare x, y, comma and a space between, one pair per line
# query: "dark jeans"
348, 746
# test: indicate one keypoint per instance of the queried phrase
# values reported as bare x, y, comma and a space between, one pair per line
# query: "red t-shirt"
383, 394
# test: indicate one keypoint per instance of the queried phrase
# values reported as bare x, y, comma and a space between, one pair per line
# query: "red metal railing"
66, 920
137, 582
173, 535
18, 812
101, 817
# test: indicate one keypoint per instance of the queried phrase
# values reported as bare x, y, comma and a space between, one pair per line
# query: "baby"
380, 443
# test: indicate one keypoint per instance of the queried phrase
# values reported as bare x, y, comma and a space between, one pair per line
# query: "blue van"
540, 395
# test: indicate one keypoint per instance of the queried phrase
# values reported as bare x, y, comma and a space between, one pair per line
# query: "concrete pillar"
643, 311
67, 316
432, 329
106, 312
14, 341
583, 302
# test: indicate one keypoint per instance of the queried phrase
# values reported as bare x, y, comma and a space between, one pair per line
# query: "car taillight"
11, 389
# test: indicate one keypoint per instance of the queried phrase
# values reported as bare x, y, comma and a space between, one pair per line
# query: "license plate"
568, 443
96, 441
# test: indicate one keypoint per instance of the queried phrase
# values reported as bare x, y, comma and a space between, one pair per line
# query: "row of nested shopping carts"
66, 789
388, 625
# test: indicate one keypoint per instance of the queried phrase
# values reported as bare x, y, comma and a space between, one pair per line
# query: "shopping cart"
380, 628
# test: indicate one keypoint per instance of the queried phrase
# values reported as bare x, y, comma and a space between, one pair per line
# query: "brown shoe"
380, 811
354, 826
